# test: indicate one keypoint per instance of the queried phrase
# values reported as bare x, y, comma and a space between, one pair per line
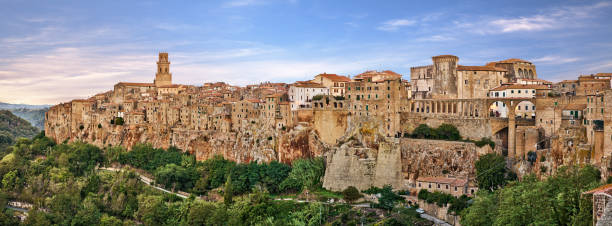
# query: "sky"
55, 51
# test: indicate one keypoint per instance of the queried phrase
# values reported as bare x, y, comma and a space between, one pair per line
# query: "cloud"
435, 38
242, 3
535, 23
394, 25
548, 19
555, 60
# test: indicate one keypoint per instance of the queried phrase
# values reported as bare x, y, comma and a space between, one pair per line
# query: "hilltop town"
363, 125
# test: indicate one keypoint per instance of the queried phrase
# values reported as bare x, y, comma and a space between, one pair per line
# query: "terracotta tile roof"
447, 55
135, 84
387, 74
519, 86
607, 189
82, 100
172, 86
439, 180
536, 80
479, 68
513, 60
304, 84
335, 77
569, 81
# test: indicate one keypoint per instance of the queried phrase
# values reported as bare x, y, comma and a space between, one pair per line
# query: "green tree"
227, 191
107, 220
491, 172
448, 132
351, 194
482, 212
305, 173
388, 199
9, 181
152, 210
200, 212
423, 131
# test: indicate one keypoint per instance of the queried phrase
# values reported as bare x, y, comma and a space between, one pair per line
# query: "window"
466, 82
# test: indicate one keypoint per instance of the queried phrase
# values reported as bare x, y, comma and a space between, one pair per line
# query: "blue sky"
57, 51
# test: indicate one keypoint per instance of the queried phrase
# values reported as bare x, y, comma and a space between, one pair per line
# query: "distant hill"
7, 106
36, 117
12, 127
35, 114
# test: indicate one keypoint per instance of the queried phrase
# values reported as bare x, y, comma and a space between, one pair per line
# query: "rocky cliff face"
255, 142
367, 158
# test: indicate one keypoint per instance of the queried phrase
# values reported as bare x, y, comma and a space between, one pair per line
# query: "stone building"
301, 94
163, 77
446, 79
334, 83
377, 94
516, 69
602, 197
450, 185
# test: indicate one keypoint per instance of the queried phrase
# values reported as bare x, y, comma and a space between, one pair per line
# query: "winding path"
145, 180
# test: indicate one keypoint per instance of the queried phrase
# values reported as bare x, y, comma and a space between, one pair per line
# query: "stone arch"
530, 73
525, 109
520, 73
498, 109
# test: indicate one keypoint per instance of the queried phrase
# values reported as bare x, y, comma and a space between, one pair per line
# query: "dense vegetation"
556, 200
492, 173
65, 186
445, 132
13, 127
443, 199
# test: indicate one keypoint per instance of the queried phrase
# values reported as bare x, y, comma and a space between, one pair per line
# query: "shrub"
484, 141
119, 121
351, 194
372, 190
317, 97
423, 131
448, 132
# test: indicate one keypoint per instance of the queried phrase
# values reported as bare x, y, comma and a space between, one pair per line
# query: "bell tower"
163, 77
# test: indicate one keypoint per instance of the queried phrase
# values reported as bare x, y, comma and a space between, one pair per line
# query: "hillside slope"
12, 127
36, 117
35, 114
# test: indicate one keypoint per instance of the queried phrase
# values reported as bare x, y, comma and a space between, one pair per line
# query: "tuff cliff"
366, 158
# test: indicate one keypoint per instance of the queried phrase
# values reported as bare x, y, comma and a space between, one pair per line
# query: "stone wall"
472, 128
365, 159
330, 124
441, 213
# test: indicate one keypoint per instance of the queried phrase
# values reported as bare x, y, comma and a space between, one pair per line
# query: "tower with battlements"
163, 77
